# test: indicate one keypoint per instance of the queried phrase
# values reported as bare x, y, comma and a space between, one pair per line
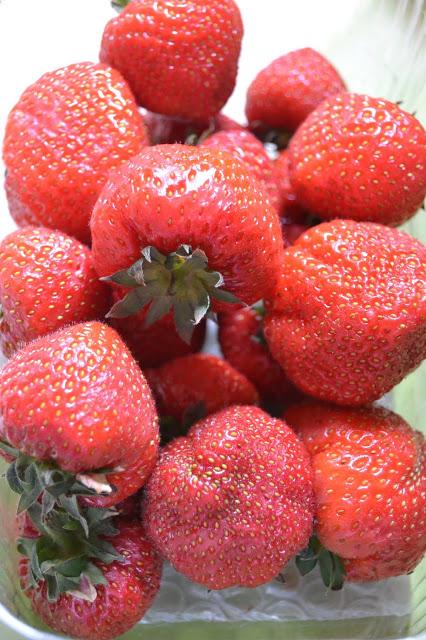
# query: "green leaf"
119, 5
13, 478
71, 506
183, 313
8, 449
124, 277
225, 296
158, 310
305, 565
132, 303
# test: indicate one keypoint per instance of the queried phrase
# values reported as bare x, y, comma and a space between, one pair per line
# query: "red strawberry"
370, 487
166, 130
116, 604
289, 208
198, 384
179, 57
230, 503
247, 148
153, 345
284, 93
243, 344
47, 281
203, 208
67, 131
349, 321
77, 400
360, 157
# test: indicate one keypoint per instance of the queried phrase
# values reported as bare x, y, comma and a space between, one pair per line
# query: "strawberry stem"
180, 282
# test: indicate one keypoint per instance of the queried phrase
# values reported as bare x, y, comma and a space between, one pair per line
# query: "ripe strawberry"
153, 345
47, 280
360, 157
203, 208
243, 344
196, 386
180, 58
370, 487
125, 589
349, 321
72, 413
65, 134
284, 93
166, 130
246, 147
230, 503
289, 207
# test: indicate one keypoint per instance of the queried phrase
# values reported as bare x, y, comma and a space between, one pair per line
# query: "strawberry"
244, 346
125, 587
166, 130
65, 134
76, 408
246, 147
289, 207
230, 503
153, 345
180, 226
359, 157
196, 386
370, 487
284, 93
349, 321
47, 280
179, 57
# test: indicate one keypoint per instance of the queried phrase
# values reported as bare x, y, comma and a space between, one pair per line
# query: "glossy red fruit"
370, 487
77, 398
179, 57
246, 147
63, 137
131, 586
166, 130
232, 502
203, 208
289, 208
349, 321
243, 345
47, 280
362, 158
284, 93
199, 379
154, 345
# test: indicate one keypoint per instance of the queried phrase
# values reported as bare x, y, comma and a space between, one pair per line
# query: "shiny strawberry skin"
289, 208
362, 158
119, 605
65, 134
77, 397
238, 337
47, 280
166, 130
284, 93
232, 502
349, 322
157, 344
175, 194
370, 487
247, 148
179, 57
199, 378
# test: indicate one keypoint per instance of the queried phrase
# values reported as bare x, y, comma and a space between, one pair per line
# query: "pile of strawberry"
128, 446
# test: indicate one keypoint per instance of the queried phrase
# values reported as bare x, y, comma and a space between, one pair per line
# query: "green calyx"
70, 534
330, 565
119, 5
180, 282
